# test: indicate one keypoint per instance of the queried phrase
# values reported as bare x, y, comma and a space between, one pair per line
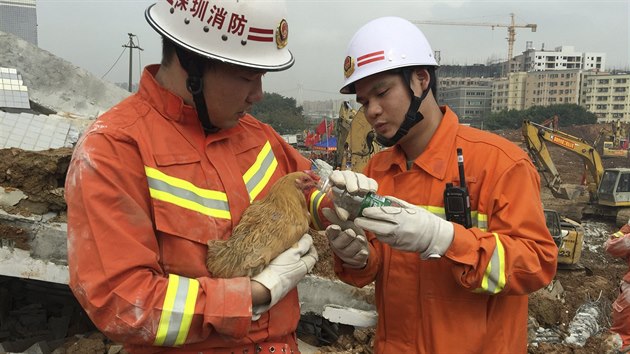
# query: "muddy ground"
40, 175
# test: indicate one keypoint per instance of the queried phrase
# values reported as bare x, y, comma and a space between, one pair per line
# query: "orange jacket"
618, 245
473, 299
146, 189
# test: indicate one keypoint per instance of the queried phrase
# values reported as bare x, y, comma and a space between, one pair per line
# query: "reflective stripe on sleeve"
494, 278
177, 311
617, 234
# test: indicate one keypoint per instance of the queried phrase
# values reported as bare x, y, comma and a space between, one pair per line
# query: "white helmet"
383, 44
251, 33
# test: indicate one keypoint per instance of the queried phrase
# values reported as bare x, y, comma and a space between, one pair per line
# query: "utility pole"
131, 45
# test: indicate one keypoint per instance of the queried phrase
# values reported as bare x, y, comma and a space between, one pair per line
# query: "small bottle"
353, 204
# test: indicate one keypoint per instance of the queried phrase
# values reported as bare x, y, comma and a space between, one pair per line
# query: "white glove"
346, 240
409, 228
347, 245
348, 189
284, 272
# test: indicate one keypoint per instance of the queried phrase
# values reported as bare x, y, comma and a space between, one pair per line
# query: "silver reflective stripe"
257, 177
177, 311
186, 195
494, 278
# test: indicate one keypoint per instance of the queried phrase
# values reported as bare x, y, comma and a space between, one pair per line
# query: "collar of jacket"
173, 108
435, 158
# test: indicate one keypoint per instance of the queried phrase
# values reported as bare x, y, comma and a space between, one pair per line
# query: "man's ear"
423, 76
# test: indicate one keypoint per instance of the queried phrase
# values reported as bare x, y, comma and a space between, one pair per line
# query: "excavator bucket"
568, 191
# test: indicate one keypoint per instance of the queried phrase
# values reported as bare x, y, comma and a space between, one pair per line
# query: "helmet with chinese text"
250, 33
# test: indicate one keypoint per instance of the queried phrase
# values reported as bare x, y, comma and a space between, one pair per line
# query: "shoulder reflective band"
494, 278
177, 311
257, 176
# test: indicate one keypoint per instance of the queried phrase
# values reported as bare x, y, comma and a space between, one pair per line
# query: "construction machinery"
356, 141
568, 236
615, 142
608, 189
511, 28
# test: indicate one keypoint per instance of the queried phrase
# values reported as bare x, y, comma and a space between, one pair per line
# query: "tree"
282, 113
568, 114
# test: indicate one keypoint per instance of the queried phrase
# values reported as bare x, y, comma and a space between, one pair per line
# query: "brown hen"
268, 227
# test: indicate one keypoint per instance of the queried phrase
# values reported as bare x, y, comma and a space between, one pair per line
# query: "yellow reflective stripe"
186, 195
493, 281
494, 277
480, 220
177, 311
315, 200
259, 174
618, 234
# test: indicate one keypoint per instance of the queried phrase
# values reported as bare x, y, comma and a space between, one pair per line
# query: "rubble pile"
552, 310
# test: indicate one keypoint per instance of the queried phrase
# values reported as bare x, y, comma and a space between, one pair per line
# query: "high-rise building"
607, 95
561, 58
19, 17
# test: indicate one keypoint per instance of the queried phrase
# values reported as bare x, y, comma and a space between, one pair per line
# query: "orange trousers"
621, 314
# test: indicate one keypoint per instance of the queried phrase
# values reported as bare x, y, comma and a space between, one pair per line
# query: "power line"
110, 69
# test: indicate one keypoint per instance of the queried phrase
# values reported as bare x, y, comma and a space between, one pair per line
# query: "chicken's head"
307, 180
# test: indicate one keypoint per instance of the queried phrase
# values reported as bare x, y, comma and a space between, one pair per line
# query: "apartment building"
561, 58
509, 93
19, 17
607, 95
544, 88
469, 97
470, 103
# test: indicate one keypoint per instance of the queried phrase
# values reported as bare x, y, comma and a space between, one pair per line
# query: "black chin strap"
194, 84
412, 117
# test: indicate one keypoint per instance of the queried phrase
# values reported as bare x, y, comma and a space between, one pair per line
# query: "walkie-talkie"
457, 199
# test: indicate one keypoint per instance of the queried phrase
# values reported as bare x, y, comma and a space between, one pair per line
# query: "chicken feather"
268, 227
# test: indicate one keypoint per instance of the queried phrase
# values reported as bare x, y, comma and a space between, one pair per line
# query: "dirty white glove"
284, 272
408, 228
346, 240
348, 189
347, 245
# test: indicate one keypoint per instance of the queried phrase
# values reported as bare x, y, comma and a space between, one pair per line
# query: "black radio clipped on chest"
457, 199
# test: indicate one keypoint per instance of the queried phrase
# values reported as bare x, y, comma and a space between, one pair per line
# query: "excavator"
356, 141
608, 189
616, 143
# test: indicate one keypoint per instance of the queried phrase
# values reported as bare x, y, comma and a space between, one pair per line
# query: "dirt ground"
40, 175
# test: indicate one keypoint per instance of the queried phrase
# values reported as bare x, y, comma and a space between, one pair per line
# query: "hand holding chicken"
267, 228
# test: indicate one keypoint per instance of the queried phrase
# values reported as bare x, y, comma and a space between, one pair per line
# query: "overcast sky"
91, 33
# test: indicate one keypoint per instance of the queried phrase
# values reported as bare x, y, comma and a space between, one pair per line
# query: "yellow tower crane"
511, 27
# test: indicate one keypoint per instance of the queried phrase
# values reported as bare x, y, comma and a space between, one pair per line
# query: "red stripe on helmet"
260, 30
259, 38
373, 54
367, 61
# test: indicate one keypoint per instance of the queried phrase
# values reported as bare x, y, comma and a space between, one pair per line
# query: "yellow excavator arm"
356, 141
536, 137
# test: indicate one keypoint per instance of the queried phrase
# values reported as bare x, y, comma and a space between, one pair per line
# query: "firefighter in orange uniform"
618, 245
441, 287
175, 165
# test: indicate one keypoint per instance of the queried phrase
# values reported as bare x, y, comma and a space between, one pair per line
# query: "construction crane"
511, 27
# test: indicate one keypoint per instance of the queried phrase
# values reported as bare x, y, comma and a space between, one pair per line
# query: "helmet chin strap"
194, 84
412, 117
